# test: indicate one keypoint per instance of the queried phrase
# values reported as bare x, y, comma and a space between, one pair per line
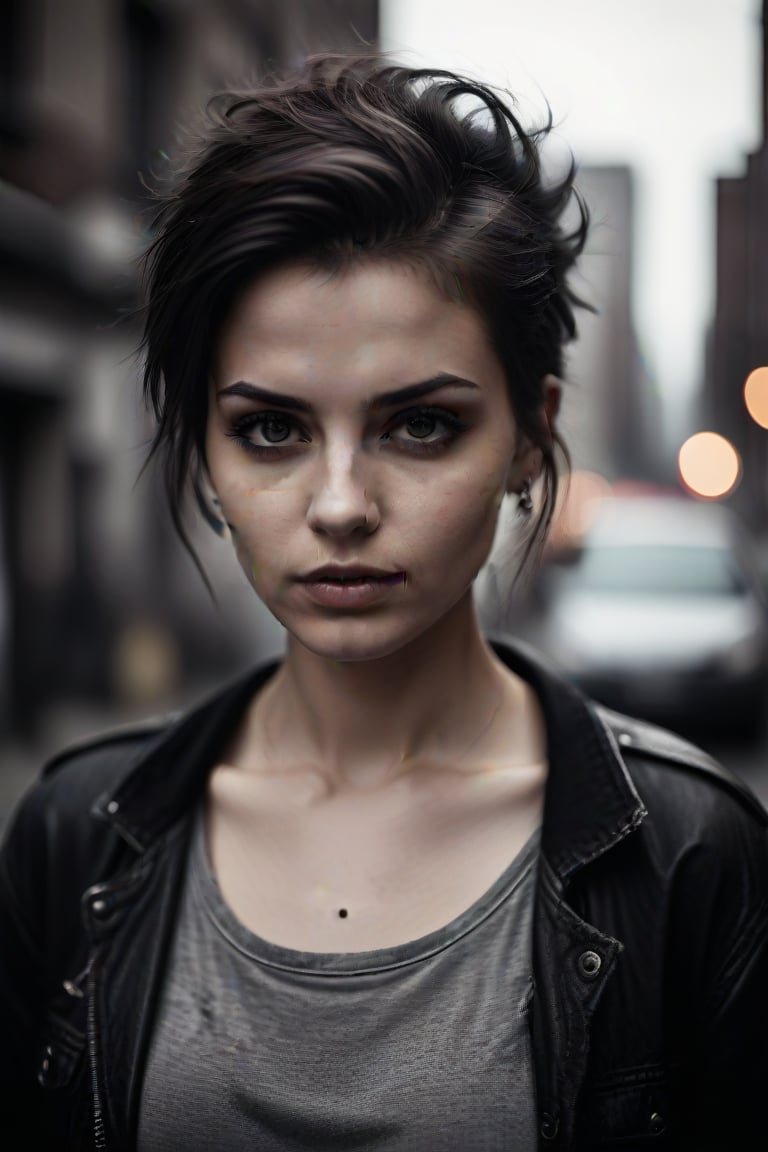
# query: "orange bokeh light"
756, 396
709, 465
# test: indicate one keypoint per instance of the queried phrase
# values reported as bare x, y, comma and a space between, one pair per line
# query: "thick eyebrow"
383, 400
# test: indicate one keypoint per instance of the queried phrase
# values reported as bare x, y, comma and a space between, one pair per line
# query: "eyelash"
246, 424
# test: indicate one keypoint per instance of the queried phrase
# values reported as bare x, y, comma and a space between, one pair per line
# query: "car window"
658, 569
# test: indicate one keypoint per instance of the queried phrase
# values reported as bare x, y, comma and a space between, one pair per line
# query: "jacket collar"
590, 802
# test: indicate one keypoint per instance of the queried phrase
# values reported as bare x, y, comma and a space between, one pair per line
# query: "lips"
348, 574
352, 592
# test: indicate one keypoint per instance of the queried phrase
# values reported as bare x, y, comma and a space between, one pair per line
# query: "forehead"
375, 321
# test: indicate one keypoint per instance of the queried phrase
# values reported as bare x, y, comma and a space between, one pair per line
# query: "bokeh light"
709, 466
756, 396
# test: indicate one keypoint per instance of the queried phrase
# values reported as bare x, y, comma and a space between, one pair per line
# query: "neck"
363, 722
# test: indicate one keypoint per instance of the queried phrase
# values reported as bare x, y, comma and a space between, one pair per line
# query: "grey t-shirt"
421, 1046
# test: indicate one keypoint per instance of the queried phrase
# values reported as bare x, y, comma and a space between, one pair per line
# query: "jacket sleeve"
52, 851
23, 991
725, 887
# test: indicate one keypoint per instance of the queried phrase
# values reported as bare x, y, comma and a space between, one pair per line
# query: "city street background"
103, 618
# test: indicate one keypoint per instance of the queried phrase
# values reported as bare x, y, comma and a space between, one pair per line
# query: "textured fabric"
421, 1046
650, 930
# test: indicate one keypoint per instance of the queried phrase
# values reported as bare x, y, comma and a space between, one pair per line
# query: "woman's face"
333, 471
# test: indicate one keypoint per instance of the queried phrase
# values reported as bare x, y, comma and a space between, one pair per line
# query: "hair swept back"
355, 155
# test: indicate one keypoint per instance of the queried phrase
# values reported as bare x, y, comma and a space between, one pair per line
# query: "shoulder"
660, 754
84, 770
704, 837
696, 806
671, 776
102, 758
60, 801
51, 842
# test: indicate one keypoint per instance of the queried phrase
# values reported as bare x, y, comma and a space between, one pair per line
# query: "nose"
339, 503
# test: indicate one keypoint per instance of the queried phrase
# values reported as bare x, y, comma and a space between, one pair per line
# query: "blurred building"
97, 599
738, 339
610, 414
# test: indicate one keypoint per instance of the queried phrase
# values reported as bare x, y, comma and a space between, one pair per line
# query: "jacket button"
656, 1124
548, 1127
45, 1067
589, 964
100, 908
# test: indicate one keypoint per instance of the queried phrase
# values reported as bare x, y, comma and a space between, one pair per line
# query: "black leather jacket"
650, 1011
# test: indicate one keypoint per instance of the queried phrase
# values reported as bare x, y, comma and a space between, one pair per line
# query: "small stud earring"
525, 500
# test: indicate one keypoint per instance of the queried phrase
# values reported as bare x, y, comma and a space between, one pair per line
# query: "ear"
527, 461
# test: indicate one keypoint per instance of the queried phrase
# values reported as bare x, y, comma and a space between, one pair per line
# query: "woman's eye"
427, 430
274, 429
421, 425
263, 430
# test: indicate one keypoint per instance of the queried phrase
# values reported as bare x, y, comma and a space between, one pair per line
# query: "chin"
336, 640
356, 638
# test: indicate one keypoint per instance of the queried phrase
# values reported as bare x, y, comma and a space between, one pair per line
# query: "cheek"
464, 525
261, 520
245, 504
481, 509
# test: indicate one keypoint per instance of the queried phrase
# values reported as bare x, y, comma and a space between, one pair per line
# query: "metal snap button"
548, 1127
656, 1124
589, 964
100, 908
46, 1065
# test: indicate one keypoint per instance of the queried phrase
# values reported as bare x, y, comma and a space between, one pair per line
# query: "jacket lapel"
590, 805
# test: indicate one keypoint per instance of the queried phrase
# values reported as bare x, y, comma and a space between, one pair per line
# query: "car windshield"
659, 570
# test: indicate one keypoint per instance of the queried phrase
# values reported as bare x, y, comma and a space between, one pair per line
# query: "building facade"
738, 338
97, 598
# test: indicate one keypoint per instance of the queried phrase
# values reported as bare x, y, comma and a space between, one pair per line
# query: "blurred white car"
662, 614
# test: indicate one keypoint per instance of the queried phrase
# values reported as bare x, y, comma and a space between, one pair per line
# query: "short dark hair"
351, 156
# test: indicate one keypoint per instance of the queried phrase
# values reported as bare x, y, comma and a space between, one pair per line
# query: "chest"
361, 873
443, 1031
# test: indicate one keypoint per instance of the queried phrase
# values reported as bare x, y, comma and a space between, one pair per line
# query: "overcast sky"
671, 87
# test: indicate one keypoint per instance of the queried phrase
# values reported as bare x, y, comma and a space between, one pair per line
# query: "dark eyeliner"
416, 446
455, 425
245, 424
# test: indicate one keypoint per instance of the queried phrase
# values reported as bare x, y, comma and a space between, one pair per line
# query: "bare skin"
402, 858
393, 767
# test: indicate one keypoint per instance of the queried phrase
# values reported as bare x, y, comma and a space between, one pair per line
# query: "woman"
403, 888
